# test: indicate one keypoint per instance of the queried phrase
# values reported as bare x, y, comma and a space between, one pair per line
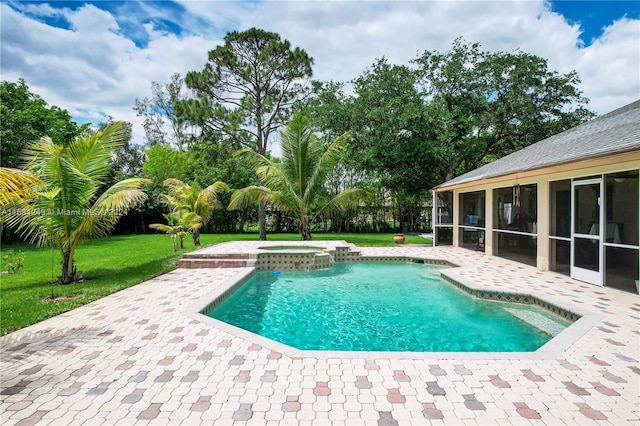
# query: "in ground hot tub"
293, 257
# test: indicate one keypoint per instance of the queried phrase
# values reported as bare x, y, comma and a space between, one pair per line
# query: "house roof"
612, 133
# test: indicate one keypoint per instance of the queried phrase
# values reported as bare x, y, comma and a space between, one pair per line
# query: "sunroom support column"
488, 222
434, 217
542, 217
456, 218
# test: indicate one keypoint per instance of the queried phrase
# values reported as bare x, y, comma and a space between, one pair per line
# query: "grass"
112, 264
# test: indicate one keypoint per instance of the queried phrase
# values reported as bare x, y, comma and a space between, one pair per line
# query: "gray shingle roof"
612, 133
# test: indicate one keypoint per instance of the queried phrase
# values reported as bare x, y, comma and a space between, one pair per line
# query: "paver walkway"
136, 357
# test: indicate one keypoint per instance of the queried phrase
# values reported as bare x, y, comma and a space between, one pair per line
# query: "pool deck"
142, 356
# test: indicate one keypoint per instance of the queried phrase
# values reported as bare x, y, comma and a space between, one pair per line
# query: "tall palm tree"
67, 209
183, 199
296, 184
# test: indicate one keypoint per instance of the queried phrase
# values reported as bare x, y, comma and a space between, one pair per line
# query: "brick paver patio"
140, 356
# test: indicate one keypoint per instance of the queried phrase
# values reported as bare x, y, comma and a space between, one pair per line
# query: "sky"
94, 58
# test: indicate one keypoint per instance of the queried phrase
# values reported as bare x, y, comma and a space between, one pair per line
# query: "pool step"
195, 261
215, 256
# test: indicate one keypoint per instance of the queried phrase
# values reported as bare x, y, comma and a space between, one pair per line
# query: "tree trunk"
305, 229
68, 269
241, 224
262, 221
262, 213
196, 238
263, 138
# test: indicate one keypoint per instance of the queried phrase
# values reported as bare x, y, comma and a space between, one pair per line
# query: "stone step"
215, 263
215, 256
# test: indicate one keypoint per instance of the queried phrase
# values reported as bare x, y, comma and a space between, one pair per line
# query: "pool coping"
554, 347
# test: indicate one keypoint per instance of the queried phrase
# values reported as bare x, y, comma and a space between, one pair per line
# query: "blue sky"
167, 16
95, 58
593, 16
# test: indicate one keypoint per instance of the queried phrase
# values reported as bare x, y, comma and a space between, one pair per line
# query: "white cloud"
610, 67
91, 20
92, 69
41, 9
346, 37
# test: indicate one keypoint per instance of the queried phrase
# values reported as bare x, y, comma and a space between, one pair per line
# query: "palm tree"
296, 184
179, 225
66, 209
183, 199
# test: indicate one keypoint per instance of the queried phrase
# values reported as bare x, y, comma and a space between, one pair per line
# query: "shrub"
13, 262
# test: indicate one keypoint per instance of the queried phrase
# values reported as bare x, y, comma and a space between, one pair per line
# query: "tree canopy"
391, 134
248, 86
415, 127
26, 117
161, 123
485, 105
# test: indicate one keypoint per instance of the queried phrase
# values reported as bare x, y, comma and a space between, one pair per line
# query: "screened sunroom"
568, 203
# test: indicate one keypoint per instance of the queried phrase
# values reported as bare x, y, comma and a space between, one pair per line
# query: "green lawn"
112, 264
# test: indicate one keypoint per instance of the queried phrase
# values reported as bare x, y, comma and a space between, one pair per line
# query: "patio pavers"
138, 357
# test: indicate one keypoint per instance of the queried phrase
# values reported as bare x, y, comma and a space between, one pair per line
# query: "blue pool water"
381, 307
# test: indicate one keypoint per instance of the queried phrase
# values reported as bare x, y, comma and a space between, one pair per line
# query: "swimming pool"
396, 307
